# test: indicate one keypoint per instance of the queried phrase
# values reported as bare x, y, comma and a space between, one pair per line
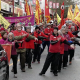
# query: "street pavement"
72, 72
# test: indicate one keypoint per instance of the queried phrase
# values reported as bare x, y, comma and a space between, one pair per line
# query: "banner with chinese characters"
4, 21
24, 19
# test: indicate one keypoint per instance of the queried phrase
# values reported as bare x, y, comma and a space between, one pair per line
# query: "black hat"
13, 24
37, 27
56, 28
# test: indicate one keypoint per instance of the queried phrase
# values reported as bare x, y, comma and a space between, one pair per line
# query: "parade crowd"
29, 42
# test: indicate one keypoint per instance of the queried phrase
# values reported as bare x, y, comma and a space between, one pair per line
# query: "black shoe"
23, 70
41, 74
30, 67
70, 63
64, 67
59, 70
55, 74
38, 62
51, 70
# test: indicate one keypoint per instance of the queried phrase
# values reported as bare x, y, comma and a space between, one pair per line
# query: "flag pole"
44, 10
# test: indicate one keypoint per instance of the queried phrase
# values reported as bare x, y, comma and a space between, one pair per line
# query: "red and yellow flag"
76, 11
38, 12
47, 15
70, 14
39, 8
77, 19
27, 10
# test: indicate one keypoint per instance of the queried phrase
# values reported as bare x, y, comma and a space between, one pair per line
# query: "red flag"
47, 15
62, 16
8, 51
27, 10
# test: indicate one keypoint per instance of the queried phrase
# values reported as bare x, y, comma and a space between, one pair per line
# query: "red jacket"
56, 47
30, 44
16, 33
41, 34
49, 32
62, 48
70, 34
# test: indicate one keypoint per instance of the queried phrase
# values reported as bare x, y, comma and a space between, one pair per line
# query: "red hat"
2, 29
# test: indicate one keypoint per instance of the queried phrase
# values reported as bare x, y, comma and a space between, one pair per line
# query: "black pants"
71, 53
44, 43
37, 54
60, 61
51, 58
28, 57
14, 59
65, 58
22, 59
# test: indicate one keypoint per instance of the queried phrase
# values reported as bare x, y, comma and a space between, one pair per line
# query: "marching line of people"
29, 42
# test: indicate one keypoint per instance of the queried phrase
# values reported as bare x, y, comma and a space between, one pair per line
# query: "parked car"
4, 66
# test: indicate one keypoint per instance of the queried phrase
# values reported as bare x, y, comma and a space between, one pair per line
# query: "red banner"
7, 48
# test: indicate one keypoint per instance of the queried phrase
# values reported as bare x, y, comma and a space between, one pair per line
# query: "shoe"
51, 70
70, 63
41, 74
15, 75
23, 70
38, 62
64, 67
12, 70
26, 64
59, 70
30, 67
33, 62
55, 74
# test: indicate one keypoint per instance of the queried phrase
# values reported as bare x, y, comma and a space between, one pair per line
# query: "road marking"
12, 63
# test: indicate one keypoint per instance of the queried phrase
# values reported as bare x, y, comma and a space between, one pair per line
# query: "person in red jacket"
54, 52
22, 48
29, 47
40, 36
48, 31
